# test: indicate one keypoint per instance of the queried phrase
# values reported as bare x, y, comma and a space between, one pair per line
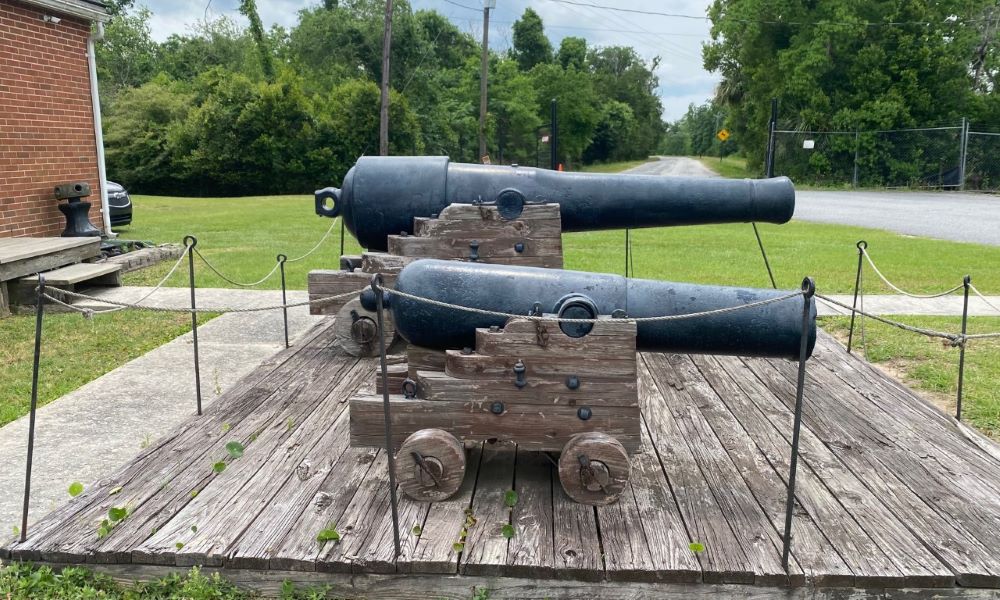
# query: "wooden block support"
569, 386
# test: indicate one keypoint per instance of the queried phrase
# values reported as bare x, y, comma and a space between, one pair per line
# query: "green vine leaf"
510, 498
219, 467
696, 547
194, 529
226, 427
235, 449
507, 530
330, 534
179, 545
417, 530
458, 547
75, 489
17, 531
194, 493
116, 514
114, 491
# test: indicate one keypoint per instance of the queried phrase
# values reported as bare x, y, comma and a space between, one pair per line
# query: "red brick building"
49, 114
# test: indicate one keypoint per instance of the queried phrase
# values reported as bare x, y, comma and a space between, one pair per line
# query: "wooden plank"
531, 552
485, 551
854, 520
397, 373
367, 505
302, 495
434, 385
487, 212
424, 359
541, 364
378, 553
73, 274
442, 527
461, 229
18, 249
723, 560
811, 547
49, 260
77, 519
324, 283
844, 433
754, 532
145, 483
576, 541
525, 424
627, 554
488, 249
236, 496
386, 264
661, 522
221, 502
271, 584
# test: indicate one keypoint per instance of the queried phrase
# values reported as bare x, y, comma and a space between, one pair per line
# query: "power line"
948, 21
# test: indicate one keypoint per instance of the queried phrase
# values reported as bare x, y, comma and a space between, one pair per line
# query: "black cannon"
571, 387
381, 196
771, 330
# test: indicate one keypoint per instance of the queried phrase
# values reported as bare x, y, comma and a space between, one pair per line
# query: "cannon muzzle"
381, 195
772, 330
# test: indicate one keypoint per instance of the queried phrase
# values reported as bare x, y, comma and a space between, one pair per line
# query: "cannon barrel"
772, 330
381, 195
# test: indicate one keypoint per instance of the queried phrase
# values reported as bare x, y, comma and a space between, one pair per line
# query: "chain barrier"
274, 270
868, 257
550, 319
133, 305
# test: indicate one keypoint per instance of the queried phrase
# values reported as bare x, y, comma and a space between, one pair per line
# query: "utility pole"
383, 121
483, 75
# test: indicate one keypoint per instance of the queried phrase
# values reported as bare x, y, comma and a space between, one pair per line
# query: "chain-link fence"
949, 157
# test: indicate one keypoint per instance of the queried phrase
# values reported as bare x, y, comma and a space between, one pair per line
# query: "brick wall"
46, 119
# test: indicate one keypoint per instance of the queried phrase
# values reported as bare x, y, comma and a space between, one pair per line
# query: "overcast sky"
676, 40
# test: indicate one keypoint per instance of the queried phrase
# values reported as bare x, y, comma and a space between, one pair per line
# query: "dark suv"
119, 204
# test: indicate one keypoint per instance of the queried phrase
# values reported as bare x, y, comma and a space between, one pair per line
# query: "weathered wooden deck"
892, 494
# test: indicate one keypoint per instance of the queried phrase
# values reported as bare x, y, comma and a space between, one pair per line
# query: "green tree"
140, 132
572, 53
248, 8
579, 107
127, 56
531, 47
840, 64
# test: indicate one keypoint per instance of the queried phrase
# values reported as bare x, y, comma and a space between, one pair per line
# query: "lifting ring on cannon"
594, 468
430, 465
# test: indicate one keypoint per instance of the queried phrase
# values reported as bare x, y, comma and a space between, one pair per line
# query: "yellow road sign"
723, 135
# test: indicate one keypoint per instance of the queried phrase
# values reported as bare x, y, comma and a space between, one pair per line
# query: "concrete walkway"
95, 429
904, 305
91, 431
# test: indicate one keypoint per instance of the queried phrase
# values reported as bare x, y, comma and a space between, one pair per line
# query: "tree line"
843, 65
227, 110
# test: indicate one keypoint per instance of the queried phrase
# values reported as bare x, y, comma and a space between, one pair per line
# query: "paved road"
952, 216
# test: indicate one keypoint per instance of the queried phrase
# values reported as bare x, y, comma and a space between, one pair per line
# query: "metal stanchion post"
808, 290
341, 235
389, 454
39, 313
190, 241
961, 352
284, 300
857, 285
767, 263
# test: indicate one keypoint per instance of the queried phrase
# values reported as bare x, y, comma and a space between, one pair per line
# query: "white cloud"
676, 41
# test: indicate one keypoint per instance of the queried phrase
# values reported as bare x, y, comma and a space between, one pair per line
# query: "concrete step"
70, 278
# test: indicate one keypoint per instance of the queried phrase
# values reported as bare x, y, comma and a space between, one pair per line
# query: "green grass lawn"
75, 351
733, 167
242, 236
932, 366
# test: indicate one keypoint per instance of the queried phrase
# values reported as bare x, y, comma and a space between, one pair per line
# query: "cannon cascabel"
381, 195
772, 330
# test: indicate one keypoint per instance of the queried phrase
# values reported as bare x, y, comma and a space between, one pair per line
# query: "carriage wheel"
356, 329
594, 468
430, 465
